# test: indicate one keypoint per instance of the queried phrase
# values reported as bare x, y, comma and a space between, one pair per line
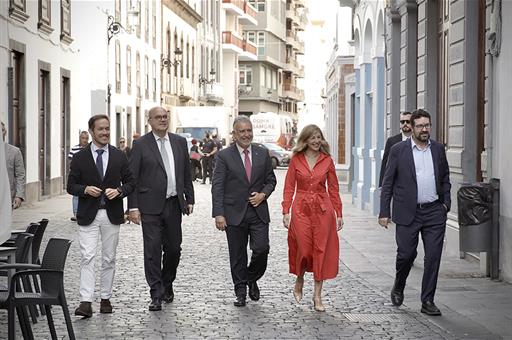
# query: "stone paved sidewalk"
357, 301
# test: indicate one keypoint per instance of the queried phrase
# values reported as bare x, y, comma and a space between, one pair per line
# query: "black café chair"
51, 274
22, 243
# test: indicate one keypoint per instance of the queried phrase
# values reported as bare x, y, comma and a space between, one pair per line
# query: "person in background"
15, 171
311, 190
209, 149
406, 131
83, 140
195, 160
123, 146
5, 198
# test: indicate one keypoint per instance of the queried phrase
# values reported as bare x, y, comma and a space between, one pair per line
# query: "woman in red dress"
311, 190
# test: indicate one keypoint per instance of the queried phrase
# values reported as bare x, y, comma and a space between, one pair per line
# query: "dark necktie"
99, 162
247, 164
99, 167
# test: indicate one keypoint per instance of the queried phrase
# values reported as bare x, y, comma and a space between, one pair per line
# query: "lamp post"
166, 62
113, 28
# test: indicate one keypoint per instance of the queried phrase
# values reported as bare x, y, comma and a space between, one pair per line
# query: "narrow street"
357, 301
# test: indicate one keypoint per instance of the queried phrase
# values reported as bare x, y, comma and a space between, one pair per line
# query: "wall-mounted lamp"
203, 80
114, 27
178, 54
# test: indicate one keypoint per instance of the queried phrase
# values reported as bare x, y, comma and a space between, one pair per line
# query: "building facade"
39, 88
369, 100
261, 80
451, 59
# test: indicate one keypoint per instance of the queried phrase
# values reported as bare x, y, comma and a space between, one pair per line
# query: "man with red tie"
243, 180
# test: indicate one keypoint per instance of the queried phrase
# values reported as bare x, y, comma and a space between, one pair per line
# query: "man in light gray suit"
15, 170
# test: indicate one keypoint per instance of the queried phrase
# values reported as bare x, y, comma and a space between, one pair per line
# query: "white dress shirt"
171, 187
425, 176
104, 156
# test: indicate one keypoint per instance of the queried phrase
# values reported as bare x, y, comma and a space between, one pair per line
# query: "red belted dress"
313, 196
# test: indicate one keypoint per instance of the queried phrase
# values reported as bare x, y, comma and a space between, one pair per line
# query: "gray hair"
241, 119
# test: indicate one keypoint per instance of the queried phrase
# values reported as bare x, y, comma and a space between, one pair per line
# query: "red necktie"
247, 164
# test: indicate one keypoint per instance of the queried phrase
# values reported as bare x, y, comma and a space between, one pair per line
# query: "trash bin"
475, 217
479, 216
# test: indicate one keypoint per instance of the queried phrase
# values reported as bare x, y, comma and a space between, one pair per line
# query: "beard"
406, 129
422, 136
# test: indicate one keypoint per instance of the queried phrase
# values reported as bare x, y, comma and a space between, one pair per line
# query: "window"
17, 10
245, 74
117, 14
261, 43
45, 22
137, 76
118, 67
153, 73
139, 8
175, 47
65, 21
129, 69
146, 32
153, 27
258, 4
443, 74
146, 74
193, 62
183, 52
251, 36
188, 60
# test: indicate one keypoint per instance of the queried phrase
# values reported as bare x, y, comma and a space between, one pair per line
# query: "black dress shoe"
156, 304
430, 308
168, 296
240, 301
254, 291
397, 297
84, 309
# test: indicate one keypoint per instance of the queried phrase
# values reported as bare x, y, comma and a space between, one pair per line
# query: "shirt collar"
94, 147
414, 145
241, 150
166, 137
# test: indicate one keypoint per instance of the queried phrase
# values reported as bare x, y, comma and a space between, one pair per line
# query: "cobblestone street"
357, 307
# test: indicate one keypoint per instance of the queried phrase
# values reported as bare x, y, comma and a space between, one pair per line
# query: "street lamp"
203, 80
166, 62
113, 28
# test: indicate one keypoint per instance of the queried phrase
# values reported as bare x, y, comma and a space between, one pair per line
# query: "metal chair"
51, 274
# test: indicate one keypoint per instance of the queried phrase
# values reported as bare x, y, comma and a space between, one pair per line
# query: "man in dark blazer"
161, 167
417, 178
100, 177
406, 131
242, 182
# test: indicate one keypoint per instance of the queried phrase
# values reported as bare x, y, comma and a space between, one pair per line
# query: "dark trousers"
253, 229
207, 165
431, 223
162, 232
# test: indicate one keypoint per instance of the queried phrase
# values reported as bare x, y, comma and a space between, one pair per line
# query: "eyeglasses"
121, 142
405, 121
164, 117
423, 126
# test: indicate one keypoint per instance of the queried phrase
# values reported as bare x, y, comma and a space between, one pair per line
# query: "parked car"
278, 155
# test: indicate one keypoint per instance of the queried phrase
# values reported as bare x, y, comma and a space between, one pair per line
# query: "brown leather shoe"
105, 306
84, 309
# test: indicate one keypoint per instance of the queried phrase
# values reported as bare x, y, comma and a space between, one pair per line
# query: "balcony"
293, 40
250, 15
291, 91
291, 13
232, 43
246, 13
213, 93
250, 51
249, 92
